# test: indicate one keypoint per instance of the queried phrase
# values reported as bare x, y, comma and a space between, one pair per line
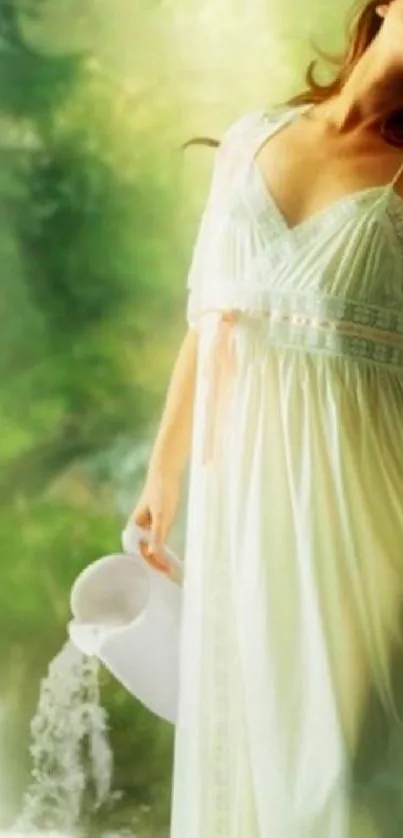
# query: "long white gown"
291, 682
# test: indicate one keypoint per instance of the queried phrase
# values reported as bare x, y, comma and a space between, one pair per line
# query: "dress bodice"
331, 284
246, 257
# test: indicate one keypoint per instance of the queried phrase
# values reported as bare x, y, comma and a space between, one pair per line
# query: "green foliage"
84, 226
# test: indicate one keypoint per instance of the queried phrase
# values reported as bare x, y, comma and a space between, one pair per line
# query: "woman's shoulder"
247, 123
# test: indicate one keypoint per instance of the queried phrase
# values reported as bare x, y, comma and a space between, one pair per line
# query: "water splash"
71, 756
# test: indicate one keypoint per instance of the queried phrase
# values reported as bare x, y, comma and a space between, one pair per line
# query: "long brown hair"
362, 28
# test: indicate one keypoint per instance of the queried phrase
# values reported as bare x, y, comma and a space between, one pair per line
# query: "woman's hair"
364, 26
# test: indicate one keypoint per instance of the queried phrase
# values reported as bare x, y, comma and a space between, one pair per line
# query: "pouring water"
70, 752
127, 616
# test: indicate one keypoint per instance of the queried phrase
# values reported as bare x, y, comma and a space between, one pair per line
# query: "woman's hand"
155, 510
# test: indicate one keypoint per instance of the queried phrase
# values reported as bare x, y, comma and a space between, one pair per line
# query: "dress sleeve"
232, 139
195, 273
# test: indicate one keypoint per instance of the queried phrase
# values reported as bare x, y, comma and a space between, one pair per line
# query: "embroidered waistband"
348, 329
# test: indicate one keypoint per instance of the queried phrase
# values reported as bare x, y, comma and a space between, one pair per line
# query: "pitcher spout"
88, 637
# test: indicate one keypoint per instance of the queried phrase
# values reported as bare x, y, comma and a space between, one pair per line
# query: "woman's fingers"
154, 512
152, 557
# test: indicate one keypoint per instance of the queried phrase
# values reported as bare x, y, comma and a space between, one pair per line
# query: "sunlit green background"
98, 212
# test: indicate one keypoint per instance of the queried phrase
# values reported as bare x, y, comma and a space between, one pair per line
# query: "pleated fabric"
290, 719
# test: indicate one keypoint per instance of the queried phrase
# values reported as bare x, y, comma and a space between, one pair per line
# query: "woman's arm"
172, 443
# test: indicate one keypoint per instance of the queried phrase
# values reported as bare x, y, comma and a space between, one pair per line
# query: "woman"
290, 716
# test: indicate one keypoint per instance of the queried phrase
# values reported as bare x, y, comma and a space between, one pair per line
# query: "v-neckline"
385, 190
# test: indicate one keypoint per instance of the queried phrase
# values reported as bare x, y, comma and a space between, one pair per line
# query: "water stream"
72, 762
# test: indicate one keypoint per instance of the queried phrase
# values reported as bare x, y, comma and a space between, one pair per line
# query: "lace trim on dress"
337, 327
395, 215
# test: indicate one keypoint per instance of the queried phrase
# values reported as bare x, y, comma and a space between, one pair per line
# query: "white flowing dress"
290, 720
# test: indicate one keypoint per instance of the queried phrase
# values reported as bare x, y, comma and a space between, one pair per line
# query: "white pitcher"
128, 614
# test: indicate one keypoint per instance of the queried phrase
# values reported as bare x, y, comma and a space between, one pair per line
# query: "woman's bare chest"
305, 171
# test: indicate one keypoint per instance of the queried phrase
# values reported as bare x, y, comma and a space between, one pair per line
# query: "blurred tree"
84, 223
84, 235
